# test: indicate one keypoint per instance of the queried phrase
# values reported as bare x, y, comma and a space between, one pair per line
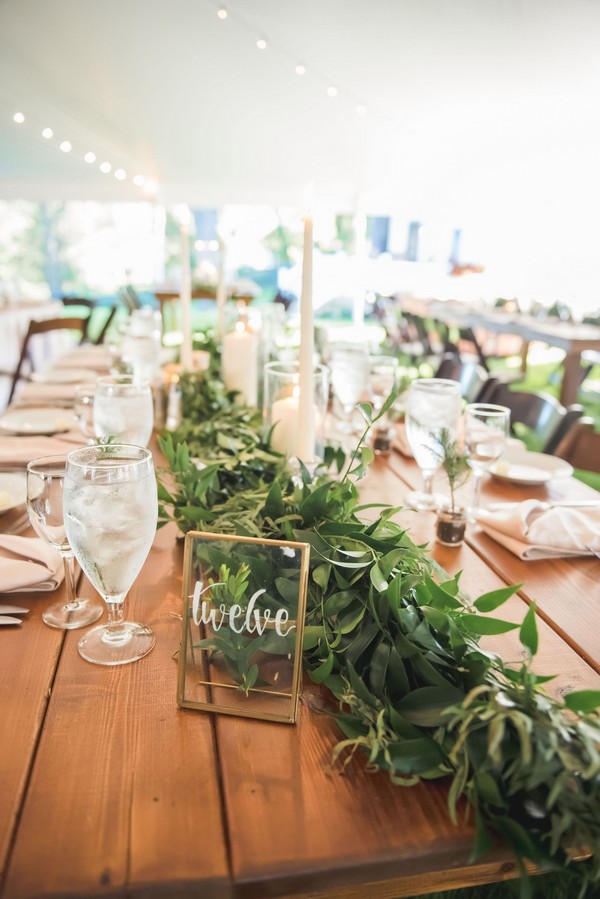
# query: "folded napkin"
532, 530
21, 450
96, 357
43, 393
27, 563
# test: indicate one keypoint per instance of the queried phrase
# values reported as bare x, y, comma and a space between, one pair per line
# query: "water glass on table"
45, 486
349, 371
83, 407
111, 510
486, 431
432, 405
123, 410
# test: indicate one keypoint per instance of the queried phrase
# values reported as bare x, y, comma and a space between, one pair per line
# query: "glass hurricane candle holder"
281, 411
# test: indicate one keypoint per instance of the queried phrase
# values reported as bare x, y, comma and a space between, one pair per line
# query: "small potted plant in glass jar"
451, 521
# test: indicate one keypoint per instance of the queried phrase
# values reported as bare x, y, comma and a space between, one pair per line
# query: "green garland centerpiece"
396, 641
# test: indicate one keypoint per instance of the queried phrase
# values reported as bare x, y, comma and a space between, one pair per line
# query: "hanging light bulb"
90, 157
261, 43
222, 12
300, 69
19, 118
105, 167
332, 91
47, 133
66, 146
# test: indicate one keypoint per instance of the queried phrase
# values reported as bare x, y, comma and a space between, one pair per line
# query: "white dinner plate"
37, 421
522, 467
13, 491
64, 376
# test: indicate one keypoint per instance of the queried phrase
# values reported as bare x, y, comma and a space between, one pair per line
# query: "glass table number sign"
244, 602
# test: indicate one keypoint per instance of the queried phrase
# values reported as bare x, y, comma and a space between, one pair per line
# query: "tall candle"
306, 410
185, 297
221, 292
239, 361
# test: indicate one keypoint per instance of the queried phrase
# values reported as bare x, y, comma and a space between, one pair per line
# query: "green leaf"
528, 635
414, 756
377, 578
322, 672
312, 635
582, 700
427, 706
490, 601
482, 626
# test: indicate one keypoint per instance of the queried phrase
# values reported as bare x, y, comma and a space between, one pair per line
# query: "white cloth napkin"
27, 563
21, 450
531, 530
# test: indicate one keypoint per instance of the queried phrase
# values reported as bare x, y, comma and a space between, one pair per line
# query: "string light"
139, 180
261, 43
120, 174
105, 167
332, 91
90, 157
222, 12
19, 118
47, 133
300, 69
66, 146
361, 110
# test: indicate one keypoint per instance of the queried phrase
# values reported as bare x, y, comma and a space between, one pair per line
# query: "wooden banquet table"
572, 337
107, 788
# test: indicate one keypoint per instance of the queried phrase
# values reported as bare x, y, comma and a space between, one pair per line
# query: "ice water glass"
349, 371
83, 407
111, 510
432, 404
486, 430
45, 484
123, 410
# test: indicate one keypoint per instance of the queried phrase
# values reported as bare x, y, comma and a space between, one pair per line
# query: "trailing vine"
396, 642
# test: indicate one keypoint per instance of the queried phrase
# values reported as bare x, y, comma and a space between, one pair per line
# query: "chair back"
92, 306
540, 413
581, 445
470, 374
43, 327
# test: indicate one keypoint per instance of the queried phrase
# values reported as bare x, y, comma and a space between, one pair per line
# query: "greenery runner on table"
396, 642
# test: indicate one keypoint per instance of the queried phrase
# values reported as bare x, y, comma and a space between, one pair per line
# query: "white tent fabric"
465, 107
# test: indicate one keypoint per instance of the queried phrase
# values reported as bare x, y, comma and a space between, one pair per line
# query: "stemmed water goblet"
486, 430
349, 369
123, 410
45, 485
111, 506
432, 404
83, 407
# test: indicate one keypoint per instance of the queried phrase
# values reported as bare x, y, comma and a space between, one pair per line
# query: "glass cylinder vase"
282, 411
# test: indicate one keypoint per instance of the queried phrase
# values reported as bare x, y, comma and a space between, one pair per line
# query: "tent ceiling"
466, 101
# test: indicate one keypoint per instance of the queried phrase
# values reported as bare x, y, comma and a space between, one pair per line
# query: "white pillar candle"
221, 292
306, 414
284, 420
185, 297
239, 362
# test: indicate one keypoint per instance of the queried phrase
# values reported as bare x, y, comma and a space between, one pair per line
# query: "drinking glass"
111, 509
486, 430
349, 369
83, 406
432, 404
383, 373
45, 484
123, 410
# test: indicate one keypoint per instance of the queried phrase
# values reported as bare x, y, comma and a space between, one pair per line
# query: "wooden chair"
42, 327
540, 413
92, 306
581, 446
471, 376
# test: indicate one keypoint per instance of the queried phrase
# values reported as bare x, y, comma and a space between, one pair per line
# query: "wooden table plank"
28, 658
124, 795
296, 828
